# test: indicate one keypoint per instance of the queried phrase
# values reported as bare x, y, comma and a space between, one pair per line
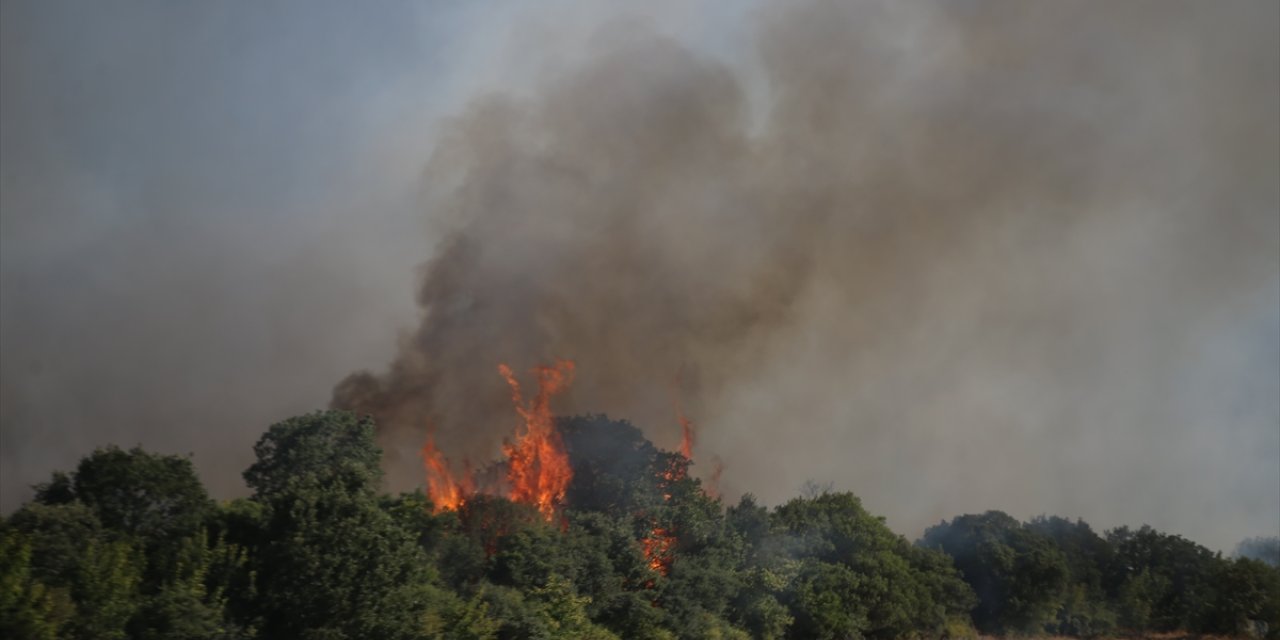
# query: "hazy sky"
987, 257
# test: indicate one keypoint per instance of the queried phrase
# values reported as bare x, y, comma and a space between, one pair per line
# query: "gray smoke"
977, 255
986, 255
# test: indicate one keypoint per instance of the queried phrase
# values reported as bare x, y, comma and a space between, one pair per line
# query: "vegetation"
130, 545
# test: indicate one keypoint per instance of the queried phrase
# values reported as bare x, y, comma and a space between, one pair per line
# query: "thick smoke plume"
983, 254
954, 257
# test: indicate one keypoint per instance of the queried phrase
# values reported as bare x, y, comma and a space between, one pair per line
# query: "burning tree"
536, 463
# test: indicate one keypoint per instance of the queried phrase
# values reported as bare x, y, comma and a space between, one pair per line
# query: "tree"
155, 497
98, 571
614, 466
190, 602
332, 563
330, 448
1173, 576
903, 590
1246, 592
1085, 610
1020, 576
825, 604
29, 609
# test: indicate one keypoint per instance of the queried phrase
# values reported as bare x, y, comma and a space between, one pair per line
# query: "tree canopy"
129, 545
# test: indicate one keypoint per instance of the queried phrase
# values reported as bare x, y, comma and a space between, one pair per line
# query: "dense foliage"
130, 545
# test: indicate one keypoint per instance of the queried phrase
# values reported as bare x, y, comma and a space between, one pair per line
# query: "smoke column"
987, 255
984, 254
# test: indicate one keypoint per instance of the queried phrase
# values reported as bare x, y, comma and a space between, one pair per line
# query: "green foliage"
1174, 577
105, 590
452, 618
1085, 610
1246, 592
154, 497
332, 563
901, 590
98, 570
1019, 575
613, 465
129, 545
316, 450
58, 535
28, 608
191, 600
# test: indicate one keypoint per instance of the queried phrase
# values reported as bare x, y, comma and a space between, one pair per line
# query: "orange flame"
445, 490
537, 463
688, 437
686, 434
658, 548
675, 471
686, 425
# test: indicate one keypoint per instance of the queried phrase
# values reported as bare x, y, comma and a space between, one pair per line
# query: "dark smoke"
978, 255
961, 257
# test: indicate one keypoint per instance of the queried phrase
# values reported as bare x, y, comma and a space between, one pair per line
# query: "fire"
686, 425
658, 548
686, 435
538, 467
538, 470
675, 471
446, 490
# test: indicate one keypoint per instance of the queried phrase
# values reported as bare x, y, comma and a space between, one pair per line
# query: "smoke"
203, 220
952, 258
986, 255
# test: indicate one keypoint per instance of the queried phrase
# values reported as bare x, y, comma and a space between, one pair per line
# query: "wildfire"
446, 490
686, 435
658, 548
538, 470
537, 463
686, 425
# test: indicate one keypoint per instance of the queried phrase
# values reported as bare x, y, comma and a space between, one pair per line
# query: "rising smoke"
951, 257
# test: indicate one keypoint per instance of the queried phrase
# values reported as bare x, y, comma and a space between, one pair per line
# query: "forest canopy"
130, 545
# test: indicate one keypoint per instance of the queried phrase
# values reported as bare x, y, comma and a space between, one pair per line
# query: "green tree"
29, 609
73, 553
329, 449
1020, 576
1246, 592
332, 563
1175, 574
1085, 610
157, 498
190, 603
105, 590
904, 590
825, 603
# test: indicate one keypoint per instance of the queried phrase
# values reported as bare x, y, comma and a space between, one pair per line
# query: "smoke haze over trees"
953, 258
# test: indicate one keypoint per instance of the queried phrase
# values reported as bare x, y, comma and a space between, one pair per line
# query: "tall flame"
687, 436
537, 464
446, 490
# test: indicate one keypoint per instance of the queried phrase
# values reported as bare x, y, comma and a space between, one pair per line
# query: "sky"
985, 257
